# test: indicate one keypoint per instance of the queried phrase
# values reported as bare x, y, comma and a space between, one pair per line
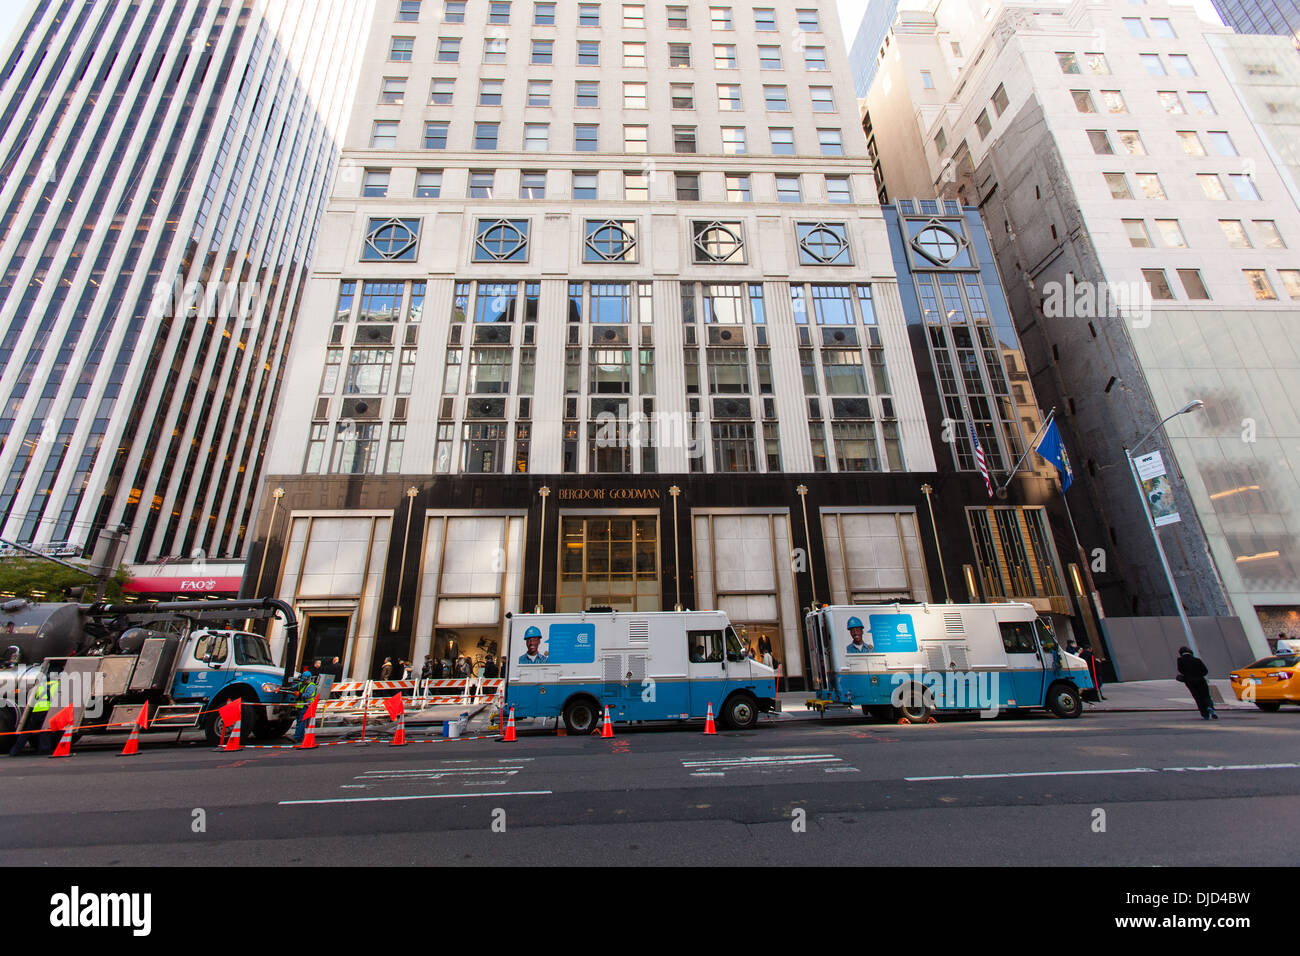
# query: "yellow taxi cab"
1270, 682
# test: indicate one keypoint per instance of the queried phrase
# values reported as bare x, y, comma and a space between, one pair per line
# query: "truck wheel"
1064, 701
740, 712
214, 729
913, 704
1268, 705
581, 716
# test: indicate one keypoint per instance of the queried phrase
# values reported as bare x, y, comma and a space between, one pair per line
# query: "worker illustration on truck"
855, 631
533, 641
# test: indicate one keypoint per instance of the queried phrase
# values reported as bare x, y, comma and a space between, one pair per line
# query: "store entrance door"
326, 638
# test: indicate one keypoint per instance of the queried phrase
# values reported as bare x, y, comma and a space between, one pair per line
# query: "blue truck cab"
662, 665
218, 665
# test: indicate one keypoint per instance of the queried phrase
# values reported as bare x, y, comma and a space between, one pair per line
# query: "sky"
10, 11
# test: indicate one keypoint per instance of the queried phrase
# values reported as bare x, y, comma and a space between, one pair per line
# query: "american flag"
979, 457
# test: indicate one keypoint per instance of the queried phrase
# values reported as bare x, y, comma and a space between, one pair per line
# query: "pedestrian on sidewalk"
1091, 660
1193, 672
386, 672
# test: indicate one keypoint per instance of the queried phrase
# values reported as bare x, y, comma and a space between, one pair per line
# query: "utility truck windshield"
252, 649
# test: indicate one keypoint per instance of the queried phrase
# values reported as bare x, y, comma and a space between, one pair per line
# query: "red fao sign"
212, 585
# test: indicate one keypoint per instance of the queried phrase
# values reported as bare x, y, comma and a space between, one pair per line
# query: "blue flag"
1052, 448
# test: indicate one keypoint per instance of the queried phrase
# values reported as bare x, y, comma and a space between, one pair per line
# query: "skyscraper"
605, 314
1281, 17
165, 164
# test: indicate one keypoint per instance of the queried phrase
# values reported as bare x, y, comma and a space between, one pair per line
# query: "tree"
50, 582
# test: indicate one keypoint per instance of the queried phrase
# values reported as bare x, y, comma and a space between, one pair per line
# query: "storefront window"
610, 562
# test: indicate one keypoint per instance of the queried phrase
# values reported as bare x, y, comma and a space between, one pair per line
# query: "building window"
408, 11
1118, 185
1244, 186
682, 96
586, 137
440, 92
788, 189
724, 56
1014, 551
392, 240
1257, 279
1000, 101
679, 54
634, 55
1235, 233
782, 141
738, 188
586, 95
448, 50
855, 446
494, 51
1158, 283
501, 240
927, 80
356, 449
490, 92
769, 58
1100, 142
485, 135
832, 142
721, 18
684, 139
1211, 186
383, 135
808, 21
1182, 64
498, 12
381, 302
1151, 63
636, 187
402, 49
609, 240
823, 99
728, 98
543, 52
588, 53
765, 20
589, 14
376, 183
1200, 103
532, 185
544, 14
1069, 63
539, 92
1097, 64
814, 58
838, 190
776, 98
1290, 281
584, 185
1171, 234
435, 135
823, 244
609, 562
1149, 183
1163, 28
1138, 237
483, 451
1083, 101
481, 184
428, 184
636, 139
633, 16
1135, 28
688, 186
733, 141
941, 141
1170, 101
1193, 285
1191, 143
537, 137
1222, 144
1270, 238
1114, 101
453, 11
677, 19
733, 447
718, 242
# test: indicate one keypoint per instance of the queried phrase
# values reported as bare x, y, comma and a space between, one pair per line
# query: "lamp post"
943, 573
544, 492
802, 492
677, 551
1155, 534
396, 620
276, 495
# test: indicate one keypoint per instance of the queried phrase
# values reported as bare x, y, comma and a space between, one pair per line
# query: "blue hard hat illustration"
854, 622
533, 632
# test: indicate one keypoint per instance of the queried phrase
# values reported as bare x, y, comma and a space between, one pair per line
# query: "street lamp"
1155, 534
544, 492
927, 490
677, 551
276, 496
802, 492
395, 621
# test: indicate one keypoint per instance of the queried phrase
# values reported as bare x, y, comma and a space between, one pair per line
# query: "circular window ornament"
717, 242
611, 242
393, 239
825, 244
502, 240
937, 244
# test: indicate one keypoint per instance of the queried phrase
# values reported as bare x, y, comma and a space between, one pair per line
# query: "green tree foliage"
47, 581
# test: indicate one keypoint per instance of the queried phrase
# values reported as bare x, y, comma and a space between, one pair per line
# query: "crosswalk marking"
762, 763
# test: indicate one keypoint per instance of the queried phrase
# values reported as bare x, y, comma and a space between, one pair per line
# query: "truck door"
818, 650
1024, 664
205, 670
705, 670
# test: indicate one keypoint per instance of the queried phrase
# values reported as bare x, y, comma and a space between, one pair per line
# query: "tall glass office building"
1281, 17
164, 166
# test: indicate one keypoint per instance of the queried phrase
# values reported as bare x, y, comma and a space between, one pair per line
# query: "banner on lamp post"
1155, 486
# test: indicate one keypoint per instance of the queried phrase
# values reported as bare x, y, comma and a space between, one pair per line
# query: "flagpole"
1028, 451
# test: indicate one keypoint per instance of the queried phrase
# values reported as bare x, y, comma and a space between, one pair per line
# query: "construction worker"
304, 692
38, 708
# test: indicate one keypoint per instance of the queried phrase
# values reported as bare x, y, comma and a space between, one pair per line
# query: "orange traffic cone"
232, 742
509, 737
399, 736
309, 737
63, 720
133, 742
607, 729
560, 729
709, 728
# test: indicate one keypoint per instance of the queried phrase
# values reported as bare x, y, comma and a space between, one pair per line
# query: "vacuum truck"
112, 660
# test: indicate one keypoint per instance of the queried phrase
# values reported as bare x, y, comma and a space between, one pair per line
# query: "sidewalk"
1152, 695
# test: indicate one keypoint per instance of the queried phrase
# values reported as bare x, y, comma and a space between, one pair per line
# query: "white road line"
422, 796
702, 774
1241, 766
760, 761
1036, 773
841, 770
436, 775
411, 773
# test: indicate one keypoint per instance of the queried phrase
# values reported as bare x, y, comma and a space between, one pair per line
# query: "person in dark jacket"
1091, 660
1193, 672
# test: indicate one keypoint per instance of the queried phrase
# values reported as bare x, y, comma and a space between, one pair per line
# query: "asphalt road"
1107, 789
